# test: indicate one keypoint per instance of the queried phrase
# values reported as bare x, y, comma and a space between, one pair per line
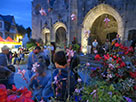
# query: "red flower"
24, 99
14, 88
98, 57
27, 94
134, 87
111, 55
132, 74
12, 98
121, 47
122, 64
118, 75
117, 44
22, 90
107, 56
115, 57
118, 60
126, 52
125, 48
130, 49
3, 93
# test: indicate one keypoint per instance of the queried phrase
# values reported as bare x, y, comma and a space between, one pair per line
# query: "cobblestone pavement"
83, 73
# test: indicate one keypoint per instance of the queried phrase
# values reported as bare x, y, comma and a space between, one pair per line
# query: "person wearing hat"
6, 72
3, 56
32, 58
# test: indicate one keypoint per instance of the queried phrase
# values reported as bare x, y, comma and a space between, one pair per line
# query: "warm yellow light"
18, 36
84, 50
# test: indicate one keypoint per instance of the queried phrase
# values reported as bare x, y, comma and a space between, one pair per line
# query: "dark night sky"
20, 9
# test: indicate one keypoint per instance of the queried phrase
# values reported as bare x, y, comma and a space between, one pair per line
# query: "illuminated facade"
7, 26
89, 16
8, 31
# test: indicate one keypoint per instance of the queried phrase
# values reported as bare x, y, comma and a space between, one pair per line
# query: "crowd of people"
61, 83
41, 84
56, 85
95, 48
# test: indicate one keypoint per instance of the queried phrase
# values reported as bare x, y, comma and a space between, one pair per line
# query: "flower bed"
14, 94
114, 82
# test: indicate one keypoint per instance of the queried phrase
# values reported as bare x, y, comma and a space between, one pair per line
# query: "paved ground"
19, 82
83, 72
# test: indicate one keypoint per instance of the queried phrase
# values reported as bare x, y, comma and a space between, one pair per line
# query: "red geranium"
14, 88
107, 56
132, 74
22, 90
12, 98
134, 87
118, 60
118, 75
111, 55
122, 64
115, 57
25, 96
24, 99
121, 47
117, 44
130, 49
3, 93
98, 57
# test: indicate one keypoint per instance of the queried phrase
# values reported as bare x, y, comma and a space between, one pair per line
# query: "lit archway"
60, 37
46, 35
56, 27
93, 14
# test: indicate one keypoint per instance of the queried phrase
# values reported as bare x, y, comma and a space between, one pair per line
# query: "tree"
28, 31
21, 29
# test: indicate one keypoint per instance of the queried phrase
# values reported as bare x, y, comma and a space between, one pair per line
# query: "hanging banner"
42, 12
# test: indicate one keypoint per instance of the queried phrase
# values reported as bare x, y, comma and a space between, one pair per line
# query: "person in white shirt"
95, 43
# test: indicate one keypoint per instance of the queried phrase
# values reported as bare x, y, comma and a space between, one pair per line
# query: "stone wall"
61, 13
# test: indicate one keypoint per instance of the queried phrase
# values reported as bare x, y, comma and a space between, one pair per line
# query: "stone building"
58, 26
7, 26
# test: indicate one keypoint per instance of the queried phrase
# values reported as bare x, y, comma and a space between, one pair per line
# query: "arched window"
61, 36
132, 34
37, 8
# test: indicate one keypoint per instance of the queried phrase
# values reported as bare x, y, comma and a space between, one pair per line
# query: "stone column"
73, 24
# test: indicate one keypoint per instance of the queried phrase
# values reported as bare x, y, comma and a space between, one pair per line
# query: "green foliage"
102, 92
21, 29
76, 47
28, 31
31, 43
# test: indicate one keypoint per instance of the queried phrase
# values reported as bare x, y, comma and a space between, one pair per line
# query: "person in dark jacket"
6, 74
63, 80
3, 56
89, 46
75, 61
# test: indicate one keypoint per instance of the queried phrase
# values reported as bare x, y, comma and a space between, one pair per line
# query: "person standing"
33, 58
5, 72
15, 57
62, 82
89, 46
46, 51
107, 45
3, 56
94, 45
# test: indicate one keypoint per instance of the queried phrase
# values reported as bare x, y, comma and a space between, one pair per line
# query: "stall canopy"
9, 39
1, 39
